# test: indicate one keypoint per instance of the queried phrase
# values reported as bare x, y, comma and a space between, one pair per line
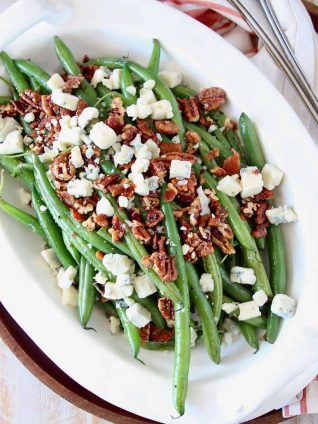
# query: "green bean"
69, 64
86, 291
276, 256
120, 245
218, 117
150, 304
130, 330
163, 92
127, 81
204, 151
21, 216
52, 232
235, 142
102, 90
183, 92
109, 308
158, 345
11, 164
211, 140
154, 61
249, 333
252, 145
211, 267
17, 78
210, 332
109, 62
73, 251
35, 85
63, 212
109, 168
33, 71
182, 312
4, 100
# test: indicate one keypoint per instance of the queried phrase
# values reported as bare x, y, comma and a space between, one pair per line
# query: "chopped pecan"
121, 189
261, 217
128, 133
104, 182
166, 126
218, 171
232, 164
170, 193
153, 218
163, 265
158, 168
179, 156
9, 109
117, 229
62, 168
32, 98
169, 147
134, 214
205, 121
116, 115
211, 98
21, 107
187, 192
190, 109
150, 202
166, 308
263, 195
222, 242
144, 333
78, 216
101, 220
146, 131
89, 224
198, 246
88, 71
81, 105
260, 230
99, 255
192, 140
140, 232
214, 153
72, 82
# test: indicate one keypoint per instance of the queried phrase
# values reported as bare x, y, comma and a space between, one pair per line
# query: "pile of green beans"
77, 247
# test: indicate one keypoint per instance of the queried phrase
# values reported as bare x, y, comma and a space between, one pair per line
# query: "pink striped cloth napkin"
221, 17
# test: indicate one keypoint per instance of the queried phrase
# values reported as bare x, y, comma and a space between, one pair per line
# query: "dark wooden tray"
51, 375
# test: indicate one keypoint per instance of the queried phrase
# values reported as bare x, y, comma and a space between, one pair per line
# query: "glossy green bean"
52, 232
151, 304
109, 308
222, 139
109, 62
211, 267
154, 61
130, 330
182, 312
183, 92
12, 165
86, 291
33, 71
218, 117
4, 100
236, 143
73, 251
127, 81
109, 168
210, 332
251, 142
67, 60
249, 333
18, 80
158, 345
120, 245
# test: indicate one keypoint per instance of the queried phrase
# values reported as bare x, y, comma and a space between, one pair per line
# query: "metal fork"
261, 17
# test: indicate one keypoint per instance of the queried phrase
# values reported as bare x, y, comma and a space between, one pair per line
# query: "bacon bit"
232, 164
170, 194
89, 224
260, 230
153, 218
116, 115
211, 98
117, 230
190, 109
146, 131
104, 182
144, 333
192, 140
89, 71
218, 171
214, 153
81, 105
159, 335
99, 255
169, 147
166, 126
62, 168
78, 216
150, 202
140, 232
101, 220
166, 308
128, 133
72, 82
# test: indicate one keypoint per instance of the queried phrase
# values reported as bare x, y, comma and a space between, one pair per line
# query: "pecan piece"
211, 98
104, 182
146, 131
62, 168
101, 220
157, 167
169, 147
128, 133
170, 193
224, 244
260, 230
153, 218
89, 224
218, 171
150, 202
72, 82
166, 308
9, 110
214, 153
166, 126
116, 115
99, 255
140, 232
232, 164
144, 333
160, 335
81, 105
163, 265
88, 71
190, 109
192, 140
117, 229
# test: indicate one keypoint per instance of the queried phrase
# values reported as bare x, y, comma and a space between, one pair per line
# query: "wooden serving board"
51, 375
